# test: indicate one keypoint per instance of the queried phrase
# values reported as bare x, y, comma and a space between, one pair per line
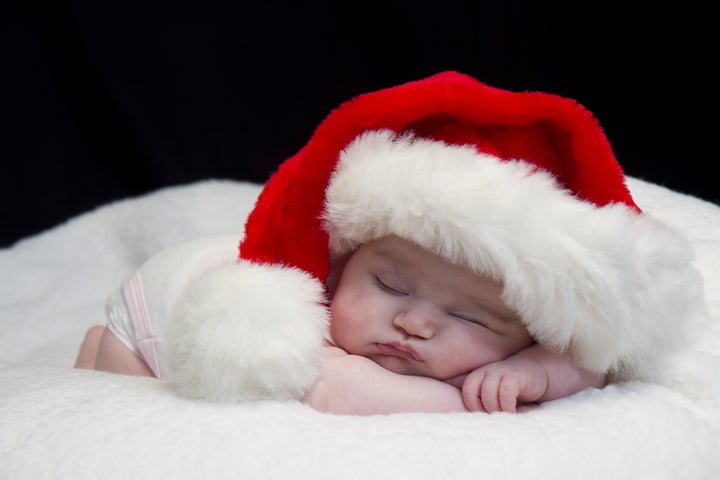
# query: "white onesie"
139, 311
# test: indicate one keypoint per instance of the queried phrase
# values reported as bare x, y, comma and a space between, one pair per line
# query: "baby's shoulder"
334, 351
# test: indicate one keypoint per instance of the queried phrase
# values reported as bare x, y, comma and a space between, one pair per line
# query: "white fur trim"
245, 331
611, 286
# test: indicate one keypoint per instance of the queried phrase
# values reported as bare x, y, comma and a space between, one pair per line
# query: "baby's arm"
531, 375
355, 385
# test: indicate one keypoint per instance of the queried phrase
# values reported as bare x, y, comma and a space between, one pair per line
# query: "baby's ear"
246, 331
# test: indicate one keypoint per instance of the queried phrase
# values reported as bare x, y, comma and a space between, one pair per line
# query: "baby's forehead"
394, 254
405, 252
421, 271
411, 258
393, 250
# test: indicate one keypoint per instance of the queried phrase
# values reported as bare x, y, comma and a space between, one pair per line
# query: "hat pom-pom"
245, 332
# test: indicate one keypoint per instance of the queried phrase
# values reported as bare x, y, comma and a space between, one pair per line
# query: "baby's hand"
502, 386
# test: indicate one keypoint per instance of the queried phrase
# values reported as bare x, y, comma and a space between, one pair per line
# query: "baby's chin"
402, 366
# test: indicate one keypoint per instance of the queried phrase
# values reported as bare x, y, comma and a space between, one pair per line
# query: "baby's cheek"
473, 351
341, 325
355, 318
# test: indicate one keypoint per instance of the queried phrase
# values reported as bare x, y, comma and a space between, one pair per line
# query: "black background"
104, 100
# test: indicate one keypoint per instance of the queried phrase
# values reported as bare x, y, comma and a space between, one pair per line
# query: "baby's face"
414, 313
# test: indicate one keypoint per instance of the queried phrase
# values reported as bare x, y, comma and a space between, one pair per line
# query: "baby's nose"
416, 321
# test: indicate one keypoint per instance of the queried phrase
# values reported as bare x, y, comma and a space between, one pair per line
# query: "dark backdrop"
103, 100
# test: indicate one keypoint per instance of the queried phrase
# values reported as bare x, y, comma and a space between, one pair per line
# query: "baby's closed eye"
387, 287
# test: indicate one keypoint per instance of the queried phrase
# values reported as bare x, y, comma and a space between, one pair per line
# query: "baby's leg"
111, 355
89, 348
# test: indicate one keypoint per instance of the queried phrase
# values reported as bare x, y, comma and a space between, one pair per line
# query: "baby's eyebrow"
393, 257
503, 313
487, 302
491, 311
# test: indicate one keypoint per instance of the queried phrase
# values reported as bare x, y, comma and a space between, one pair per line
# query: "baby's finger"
508, 393
471, 392
489, 393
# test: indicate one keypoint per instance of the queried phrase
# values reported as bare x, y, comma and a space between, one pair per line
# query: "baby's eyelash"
387, 288
470, 320
463, 317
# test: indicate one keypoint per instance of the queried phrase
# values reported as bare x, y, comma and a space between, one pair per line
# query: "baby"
413, 332
479, 250
409, 331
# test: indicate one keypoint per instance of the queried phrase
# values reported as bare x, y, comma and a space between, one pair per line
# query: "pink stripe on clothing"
134, 294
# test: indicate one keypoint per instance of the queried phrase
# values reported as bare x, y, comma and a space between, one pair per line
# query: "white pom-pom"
244, 332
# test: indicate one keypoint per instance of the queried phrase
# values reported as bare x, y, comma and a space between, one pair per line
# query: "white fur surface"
56, 422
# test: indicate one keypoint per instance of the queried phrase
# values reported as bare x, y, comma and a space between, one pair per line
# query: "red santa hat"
523, 186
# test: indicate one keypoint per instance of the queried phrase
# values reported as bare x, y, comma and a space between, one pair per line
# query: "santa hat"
522, 186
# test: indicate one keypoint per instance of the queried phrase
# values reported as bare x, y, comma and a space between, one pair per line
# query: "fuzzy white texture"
63, 423
245, 332
614, 288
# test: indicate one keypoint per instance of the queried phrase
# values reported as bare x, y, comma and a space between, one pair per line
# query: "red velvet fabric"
552, 132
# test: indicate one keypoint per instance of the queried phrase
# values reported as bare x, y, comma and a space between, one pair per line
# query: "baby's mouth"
397, 349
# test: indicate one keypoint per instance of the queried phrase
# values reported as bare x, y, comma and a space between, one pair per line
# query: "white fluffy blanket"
57, 422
